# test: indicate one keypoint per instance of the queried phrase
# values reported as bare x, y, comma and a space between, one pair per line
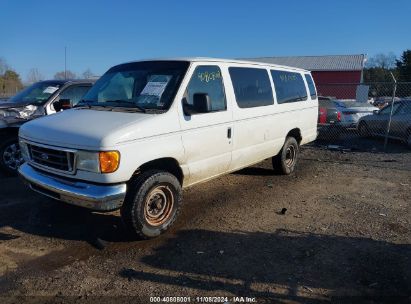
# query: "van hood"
90, 129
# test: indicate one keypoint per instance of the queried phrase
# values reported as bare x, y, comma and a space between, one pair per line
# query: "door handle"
229, 133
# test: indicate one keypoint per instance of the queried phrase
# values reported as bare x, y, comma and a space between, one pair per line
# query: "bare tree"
34, 76
87, 74
383, 61
65, 75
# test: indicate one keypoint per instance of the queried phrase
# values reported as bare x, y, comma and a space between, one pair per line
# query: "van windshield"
137, 85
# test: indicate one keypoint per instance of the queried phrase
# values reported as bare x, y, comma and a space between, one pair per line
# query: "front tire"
152, 204
10, 155
286, 161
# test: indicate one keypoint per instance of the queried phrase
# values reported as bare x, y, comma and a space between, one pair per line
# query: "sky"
100, 34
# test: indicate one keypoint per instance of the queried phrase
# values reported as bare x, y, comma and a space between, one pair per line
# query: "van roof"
210, 59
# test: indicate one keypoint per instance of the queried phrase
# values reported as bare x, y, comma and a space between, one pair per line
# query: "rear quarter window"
311, 86
252, 87
289, 86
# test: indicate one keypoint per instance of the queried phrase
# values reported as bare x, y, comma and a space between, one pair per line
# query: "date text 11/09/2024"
203, 300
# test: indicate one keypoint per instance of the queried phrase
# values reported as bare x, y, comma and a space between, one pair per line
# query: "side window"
207, 79
289, 86
387, 109
74, 93
252, 87
311, 86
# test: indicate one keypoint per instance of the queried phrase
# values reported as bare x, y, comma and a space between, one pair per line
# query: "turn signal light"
109, 161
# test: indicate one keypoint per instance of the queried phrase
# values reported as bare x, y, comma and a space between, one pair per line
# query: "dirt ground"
345, 237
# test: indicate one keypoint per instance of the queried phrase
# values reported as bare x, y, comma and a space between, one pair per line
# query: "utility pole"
65, 62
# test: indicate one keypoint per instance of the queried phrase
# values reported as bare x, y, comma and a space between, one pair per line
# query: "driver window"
74, 93
207, 79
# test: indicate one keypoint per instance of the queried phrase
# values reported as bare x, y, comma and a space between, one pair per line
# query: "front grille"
52, 158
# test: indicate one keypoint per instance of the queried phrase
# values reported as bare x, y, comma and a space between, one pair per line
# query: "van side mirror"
62, 104
201, 104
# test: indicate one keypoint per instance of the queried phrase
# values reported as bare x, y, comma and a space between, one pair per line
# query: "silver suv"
41, 98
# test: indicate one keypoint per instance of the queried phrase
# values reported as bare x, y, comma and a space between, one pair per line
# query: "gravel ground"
344, 237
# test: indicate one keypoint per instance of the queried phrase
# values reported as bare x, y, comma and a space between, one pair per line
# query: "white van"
147, 129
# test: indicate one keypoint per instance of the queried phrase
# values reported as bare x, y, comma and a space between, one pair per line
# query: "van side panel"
260, 132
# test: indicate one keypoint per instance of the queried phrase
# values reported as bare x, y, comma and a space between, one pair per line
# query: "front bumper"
91, 196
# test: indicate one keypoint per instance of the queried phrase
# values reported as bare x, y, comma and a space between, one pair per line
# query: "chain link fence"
365, 116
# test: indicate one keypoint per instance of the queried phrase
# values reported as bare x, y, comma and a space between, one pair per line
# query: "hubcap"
290, 156
158, 205
12, 157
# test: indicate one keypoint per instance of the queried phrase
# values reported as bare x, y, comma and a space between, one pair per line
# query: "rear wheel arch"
296, 133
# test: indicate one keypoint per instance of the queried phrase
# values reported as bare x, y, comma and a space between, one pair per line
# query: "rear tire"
10, 155
152, 204
286, 160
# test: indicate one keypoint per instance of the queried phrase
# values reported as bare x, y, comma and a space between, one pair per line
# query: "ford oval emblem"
44, 156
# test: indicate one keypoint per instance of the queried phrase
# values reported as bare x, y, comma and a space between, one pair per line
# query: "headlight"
88, 161
23, 113
26, 111
7, 113
99, 162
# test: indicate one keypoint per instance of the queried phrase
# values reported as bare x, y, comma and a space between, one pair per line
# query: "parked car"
335, 115
352, 111
377, 124
41, 98
148, 129
327, 111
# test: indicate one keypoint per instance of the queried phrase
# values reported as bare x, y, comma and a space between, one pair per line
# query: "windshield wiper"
83, 103
132, 105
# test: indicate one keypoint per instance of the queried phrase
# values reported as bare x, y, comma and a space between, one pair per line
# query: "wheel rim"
12, 157
158, 205
290, 156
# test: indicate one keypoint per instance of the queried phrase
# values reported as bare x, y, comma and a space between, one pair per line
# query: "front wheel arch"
363, 129
10, 155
